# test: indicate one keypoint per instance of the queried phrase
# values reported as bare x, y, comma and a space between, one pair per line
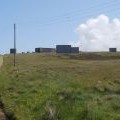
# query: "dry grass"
84, 86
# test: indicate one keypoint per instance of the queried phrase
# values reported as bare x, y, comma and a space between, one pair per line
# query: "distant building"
112, 49
74, 49
44, 50
63, 48
66, 49
37, 50
12, 51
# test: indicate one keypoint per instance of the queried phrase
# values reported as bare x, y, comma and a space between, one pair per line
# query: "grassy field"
61, 87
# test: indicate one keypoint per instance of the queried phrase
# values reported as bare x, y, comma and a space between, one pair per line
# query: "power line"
73, 12
99, 8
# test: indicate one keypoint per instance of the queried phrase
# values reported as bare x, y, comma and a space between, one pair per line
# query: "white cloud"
99, 34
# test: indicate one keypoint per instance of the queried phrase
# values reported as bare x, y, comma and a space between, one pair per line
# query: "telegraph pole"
14, 44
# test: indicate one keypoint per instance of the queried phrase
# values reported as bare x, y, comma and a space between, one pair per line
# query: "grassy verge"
61, 87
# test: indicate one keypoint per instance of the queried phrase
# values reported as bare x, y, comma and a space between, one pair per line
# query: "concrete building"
74, 49
12, 51
112, 49
63, 48
37, 50
66, 49
44, 50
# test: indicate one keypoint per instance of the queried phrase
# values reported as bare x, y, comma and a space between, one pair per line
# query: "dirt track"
1, 60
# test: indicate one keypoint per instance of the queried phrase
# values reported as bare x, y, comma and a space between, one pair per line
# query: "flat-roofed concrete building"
74, 49
112, 49
66, 49
37, 50
63, 48
44, 50
12, 51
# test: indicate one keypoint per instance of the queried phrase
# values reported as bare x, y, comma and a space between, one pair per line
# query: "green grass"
62, 87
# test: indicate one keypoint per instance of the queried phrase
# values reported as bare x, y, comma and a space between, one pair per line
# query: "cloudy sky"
91, 24
99, 34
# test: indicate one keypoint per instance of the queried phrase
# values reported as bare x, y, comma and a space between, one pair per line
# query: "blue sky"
45, 23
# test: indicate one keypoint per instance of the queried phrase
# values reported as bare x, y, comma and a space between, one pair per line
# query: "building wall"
37, 50
12, 50
74, 49
66, 49
63, 48
112, 49
47, 50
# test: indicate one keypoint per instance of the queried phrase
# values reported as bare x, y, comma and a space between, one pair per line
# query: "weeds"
51, 112
8, 115
80, 87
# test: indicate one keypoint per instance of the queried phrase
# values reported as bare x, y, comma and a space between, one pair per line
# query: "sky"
82, 23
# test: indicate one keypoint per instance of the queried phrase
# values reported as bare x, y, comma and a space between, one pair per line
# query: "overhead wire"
72, 16
73, 12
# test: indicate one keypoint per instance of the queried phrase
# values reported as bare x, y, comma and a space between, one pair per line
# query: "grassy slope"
71, 88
